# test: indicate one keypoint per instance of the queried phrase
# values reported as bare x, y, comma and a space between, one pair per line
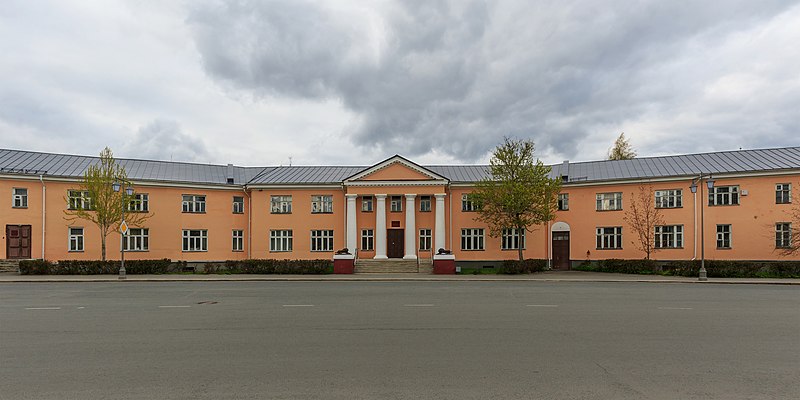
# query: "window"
137, 239
194, 203
79, 200
723, 236
75, 239
238, 204
425, 239
396, 204
723, 196
563, 202
366, 203
425, 203
670, 198
322, 240
668, 237
467, 204
609, 201
367, 239
280, 240
238, 240
783, 235
512, 239
140, 202
609, 237
195, 240
472, 239
321, 204
20, 198
280, 204
783, 193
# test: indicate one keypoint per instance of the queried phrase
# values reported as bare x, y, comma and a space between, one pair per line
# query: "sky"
259, 83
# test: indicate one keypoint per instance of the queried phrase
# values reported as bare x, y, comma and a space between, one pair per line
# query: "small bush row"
97, 267
304, 267
528, 266
690, 268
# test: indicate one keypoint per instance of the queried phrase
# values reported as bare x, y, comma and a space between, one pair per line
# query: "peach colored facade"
752, 222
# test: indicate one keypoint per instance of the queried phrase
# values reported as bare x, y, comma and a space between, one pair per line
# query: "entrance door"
18, 241
395, 243
561, 250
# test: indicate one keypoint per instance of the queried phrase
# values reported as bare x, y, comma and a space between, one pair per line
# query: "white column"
352, 237
380, 226
411, 228
438, 234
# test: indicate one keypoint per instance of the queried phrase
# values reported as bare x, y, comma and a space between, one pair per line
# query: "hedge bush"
528, 266
691, 268
97, 267
270, 266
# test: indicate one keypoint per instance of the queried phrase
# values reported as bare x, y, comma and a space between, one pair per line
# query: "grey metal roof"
34, 163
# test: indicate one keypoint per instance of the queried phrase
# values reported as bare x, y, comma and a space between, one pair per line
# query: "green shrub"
691, 268
35, 267
528, 266
269, 266
97, 267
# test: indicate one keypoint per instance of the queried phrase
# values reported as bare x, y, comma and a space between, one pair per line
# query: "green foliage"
519, 193
304, 267
622, 149
691, 268
527, 266
620, 266
98, 267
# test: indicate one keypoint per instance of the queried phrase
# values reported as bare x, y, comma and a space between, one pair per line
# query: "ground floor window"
195, 240
609, 237
367, 239
723, 236
425, 239
322, 240
513, 239
238, 240
75, 239
472, 239
668, 236
280, 240
138, 239
783, 235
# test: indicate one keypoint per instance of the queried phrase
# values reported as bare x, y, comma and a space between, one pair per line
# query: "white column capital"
440, 195
410, 196
351, 196
380, 196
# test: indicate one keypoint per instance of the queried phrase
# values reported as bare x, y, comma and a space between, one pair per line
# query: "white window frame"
321, 240
238, 205
563, 202
322, 204
783, 235
425, 239
79, 200
425, 203
195, 240
366, 203
368, 239
280, 240
76, 239
137, 239
280, 204
669, 198
467, 205
783, 193
395, 203
193, 203
608, 238
724, 230
19, 199
611, 201
510, 239
139, 202
729, 195
668, 237
237, 240
472, 239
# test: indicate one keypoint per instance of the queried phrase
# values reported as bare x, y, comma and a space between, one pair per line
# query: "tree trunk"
103, 247
519, 244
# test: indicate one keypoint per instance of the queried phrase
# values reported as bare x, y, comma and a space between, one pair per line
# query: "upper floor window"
280, 240
75, 239
193, 203
425, 203
512, 239
396, 204
723, 196
79, 200
137, 239
140, 202
723, 236
472, 239
467, 204
322, 240
425, 239
609, 201
563, 201
366, 203
280, 204
668, 236
195, 240
609, 237
783, 193
321, 204
20, 198
670, 198
238, 204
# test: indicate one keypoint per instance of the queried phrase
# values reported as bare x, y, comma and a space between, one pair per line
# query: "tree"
793, 233
99, 203
643, 216
519, 193
622, 149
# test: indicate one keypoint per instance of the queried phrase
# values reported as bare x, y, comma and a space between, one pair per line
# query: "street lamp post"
129, 191
703, 276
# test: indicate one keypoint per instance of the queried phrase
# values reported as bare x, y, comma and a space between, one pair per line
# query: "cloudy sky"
351, 83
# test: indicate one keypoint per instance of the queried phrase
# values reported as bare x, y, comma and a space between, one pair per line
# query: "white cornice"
396, 183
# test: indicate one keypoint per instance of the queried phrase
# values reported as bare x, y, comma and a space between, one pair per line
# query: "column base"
344, 264
380, 258
410, 257
444, 264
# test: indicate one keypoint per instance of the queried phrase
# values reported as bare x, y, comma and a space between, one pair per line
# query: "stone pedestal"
444, 264
344, 264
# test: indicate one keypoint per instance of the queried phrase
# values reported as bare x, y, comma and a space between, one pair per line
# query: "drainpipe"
450, 225
694, 242
44, 211
548, 237
249, 216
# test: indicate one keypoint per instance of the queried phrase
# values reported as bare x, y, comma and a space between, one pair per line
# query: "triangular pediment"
396, 168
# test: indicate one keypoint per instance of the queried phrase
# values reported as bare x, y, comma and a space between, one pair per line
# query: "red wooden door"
18, 241
395, 243
561, 250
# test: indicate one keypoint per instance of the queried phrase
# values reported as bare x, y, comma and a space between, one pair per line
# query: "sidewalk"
550, 276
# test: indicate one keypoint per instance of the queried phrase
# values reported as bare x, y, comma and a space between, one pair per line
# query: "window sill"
322, 212
366, 211
194, 251
193, 212
25, 207
136, 251
565, 209
75, 251
789, 202
235, 212
667, 208
280, 212
474, 250
426, 211
723, 205
724, 248
238, 251
616, 209
523, 249
280, 251
608, 248
321, 251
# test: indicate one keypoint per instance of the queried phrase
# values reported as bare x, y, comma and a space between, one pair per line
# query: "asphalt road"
404, 340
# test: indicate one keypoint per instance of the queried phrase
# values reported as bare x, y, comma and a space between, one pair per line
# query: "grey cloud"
163, 139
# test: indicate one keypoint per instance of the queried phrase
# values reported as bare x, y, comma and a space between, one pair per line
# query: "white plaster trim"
397, 183
344, 257
396, 159
444, 257
560, 227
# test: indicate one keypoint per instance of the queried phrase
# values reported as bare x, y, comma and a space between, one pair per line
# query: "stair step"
372, 266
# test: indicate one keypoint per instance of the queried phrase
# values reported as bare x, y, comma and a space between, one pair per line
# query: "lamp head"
116, 186
129, 191
693, 187
710, 183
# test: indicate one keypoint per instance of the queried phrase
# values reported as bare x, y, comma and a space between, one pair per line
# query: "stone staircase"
390, 266
7, 266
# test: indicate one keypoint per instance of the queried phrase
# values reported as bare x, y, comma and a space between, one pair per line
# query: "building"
399, 209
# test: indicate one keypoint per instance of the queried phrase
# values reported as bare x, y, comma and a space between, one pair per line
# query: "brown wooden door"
18, 241
561, 250
395, 243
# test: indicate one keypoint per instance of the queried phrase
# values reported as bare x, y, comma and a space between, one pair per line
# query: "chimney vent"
565, 171
230, 174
